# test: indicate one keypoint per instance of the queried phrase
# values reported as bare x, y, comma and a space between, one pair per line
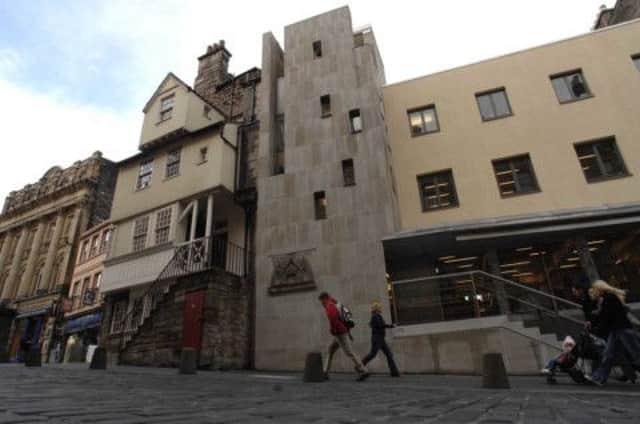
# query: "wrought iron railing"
477, 294
192, 257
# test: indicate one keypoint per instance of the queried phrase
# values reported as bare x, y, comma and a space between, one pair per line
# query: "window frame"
316, 47
161, 225
516, 182
453, 204
422, 109
139, 234
118, 313
142, 174
490, 93
323, 113
352, 117
635, 59
317, 197
164, 109
346, 163
566, 74
175, 162
625, 170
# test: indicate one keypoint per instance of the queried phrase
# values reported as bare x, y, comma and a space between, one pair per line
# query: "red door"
192, 319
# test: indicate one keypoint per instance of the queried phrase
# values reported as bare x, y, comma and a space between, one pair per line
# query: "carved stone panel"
291, 273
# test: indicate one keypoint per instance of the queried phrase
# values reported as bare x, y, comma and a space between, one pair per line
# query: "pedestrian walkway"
74, 394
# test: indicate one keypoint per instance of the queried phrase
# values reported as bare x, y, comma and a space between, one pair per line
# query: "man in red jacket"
341, 338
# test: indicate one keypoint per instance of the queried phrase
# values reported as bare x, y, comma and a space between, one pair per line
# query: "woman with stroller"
612, 319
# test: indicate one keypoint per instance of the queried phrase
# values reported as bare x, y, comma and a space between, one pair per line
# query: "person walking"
612, 320
378, 342
341, 337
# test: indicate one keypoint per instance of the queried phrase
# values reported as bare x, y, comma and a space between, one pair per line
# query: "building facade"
325, 195
39, 231
623, 11
178, 259
83, 303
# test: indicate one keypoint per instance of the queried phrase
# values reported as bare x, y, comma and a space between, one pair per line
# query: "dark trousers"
620, 343
378, 344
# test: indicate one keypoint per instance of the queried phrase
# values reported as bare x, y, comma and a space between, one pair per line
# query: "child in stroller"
572, 359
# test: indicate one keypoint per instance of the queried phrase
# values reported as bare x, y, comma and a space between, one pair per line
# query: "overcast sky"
74, 75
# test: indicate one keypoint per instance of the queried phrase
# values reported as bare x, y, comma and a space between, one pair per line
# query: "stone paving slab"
128, 395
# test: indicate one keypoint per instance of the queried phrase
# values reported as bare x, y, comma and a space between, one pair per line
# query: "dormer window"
166, 107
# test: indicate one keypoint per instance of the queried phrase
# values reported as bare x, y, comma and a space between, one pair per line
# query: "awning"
82, 323
32, 313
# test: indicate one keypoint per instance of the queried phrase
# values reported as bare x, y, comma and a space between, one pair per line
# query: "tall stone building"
39, 229
325, 196
624, 10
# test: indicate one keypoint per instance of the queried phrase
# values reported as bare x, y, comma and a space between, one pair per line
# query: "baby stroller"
588, 348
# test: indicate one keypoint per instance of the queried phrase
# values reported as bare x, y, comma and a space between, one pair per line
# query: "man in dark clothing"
378, 342
341, 337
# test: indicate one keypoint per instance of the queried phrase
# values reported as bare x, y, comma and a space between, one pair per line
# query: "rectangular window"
166, 107
437, 190
163, 224
97, 280
173, 164
203, 155
106, 238
493, 104
118, 316
636, 61
515, 176
144, 174
278, 146
601, 160
325, 106
317, 49
140, 229
423, 120
95, 245
84, 251
570, 86
320, 202
356, 121
348, 172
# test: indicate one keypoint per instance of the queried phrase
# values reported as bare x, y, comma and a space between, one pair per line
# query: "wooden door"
192, 319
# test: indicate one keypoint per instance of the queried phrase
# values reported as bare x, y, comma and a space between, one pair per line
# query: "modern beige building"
39, 230
83, 303
523, 166
178, 252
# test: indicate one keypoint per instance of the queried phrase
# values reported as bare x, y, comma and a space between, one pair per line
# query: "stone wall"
623, 11
225, 338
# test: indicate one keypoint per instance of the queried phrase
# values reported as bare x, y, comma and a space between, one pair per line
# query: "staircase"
532, 313
189, 258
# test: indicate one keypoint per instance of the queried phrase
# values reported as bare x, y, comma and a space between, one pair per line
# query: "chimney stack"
212, 69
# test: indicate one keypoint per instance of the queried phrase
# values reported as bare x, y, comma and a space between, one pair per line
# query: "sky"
75, 74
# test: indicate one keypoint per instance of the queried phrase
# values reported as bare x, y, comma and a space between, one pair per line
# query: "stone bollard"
494, 373
33, 358
188, 361
99, 359
313, 372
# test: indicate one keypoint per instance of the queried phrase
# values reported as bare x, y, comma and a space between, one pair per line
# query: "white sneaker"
546, 371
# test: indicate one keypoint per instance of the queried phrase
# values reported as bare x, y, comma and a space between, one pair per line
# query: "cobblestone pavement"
74, 394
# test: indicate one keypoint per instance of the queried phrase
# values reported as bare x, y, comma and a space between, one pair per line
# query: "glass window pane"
561, 89
501, 104
610, 159
430, 122
486, 108
578, 86
415, 120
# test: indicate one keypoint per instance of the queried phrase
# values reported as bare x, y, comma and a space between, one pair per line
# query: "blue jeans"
620, 343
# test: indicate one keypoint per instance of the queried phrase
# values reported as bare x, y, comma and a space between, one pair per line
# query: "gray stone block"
494, 373
313, 372
188, 361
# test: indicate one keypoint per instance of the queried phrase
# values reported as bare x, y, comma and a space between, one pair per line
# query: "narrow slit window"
317, 49
325, 105
348, 173
356, 121
320, 203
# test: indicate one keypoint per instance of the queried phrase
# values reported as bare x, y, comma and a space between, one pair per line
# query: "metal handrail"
492, 276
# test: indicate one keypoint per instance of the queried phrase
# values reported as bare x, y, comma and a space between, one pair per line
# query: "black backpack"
346, 316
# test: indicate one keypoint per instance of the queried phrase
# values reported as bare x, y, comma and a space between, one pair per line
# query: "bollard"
494, 373
32, 358
188, 361
313, 372
99, 359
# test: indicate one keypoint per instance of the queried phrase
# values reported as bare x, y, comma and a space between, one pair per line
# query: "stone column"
209, 216
586, 259
493, 263
5, 249
25, 286
51, 254
17, 257
73, 231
